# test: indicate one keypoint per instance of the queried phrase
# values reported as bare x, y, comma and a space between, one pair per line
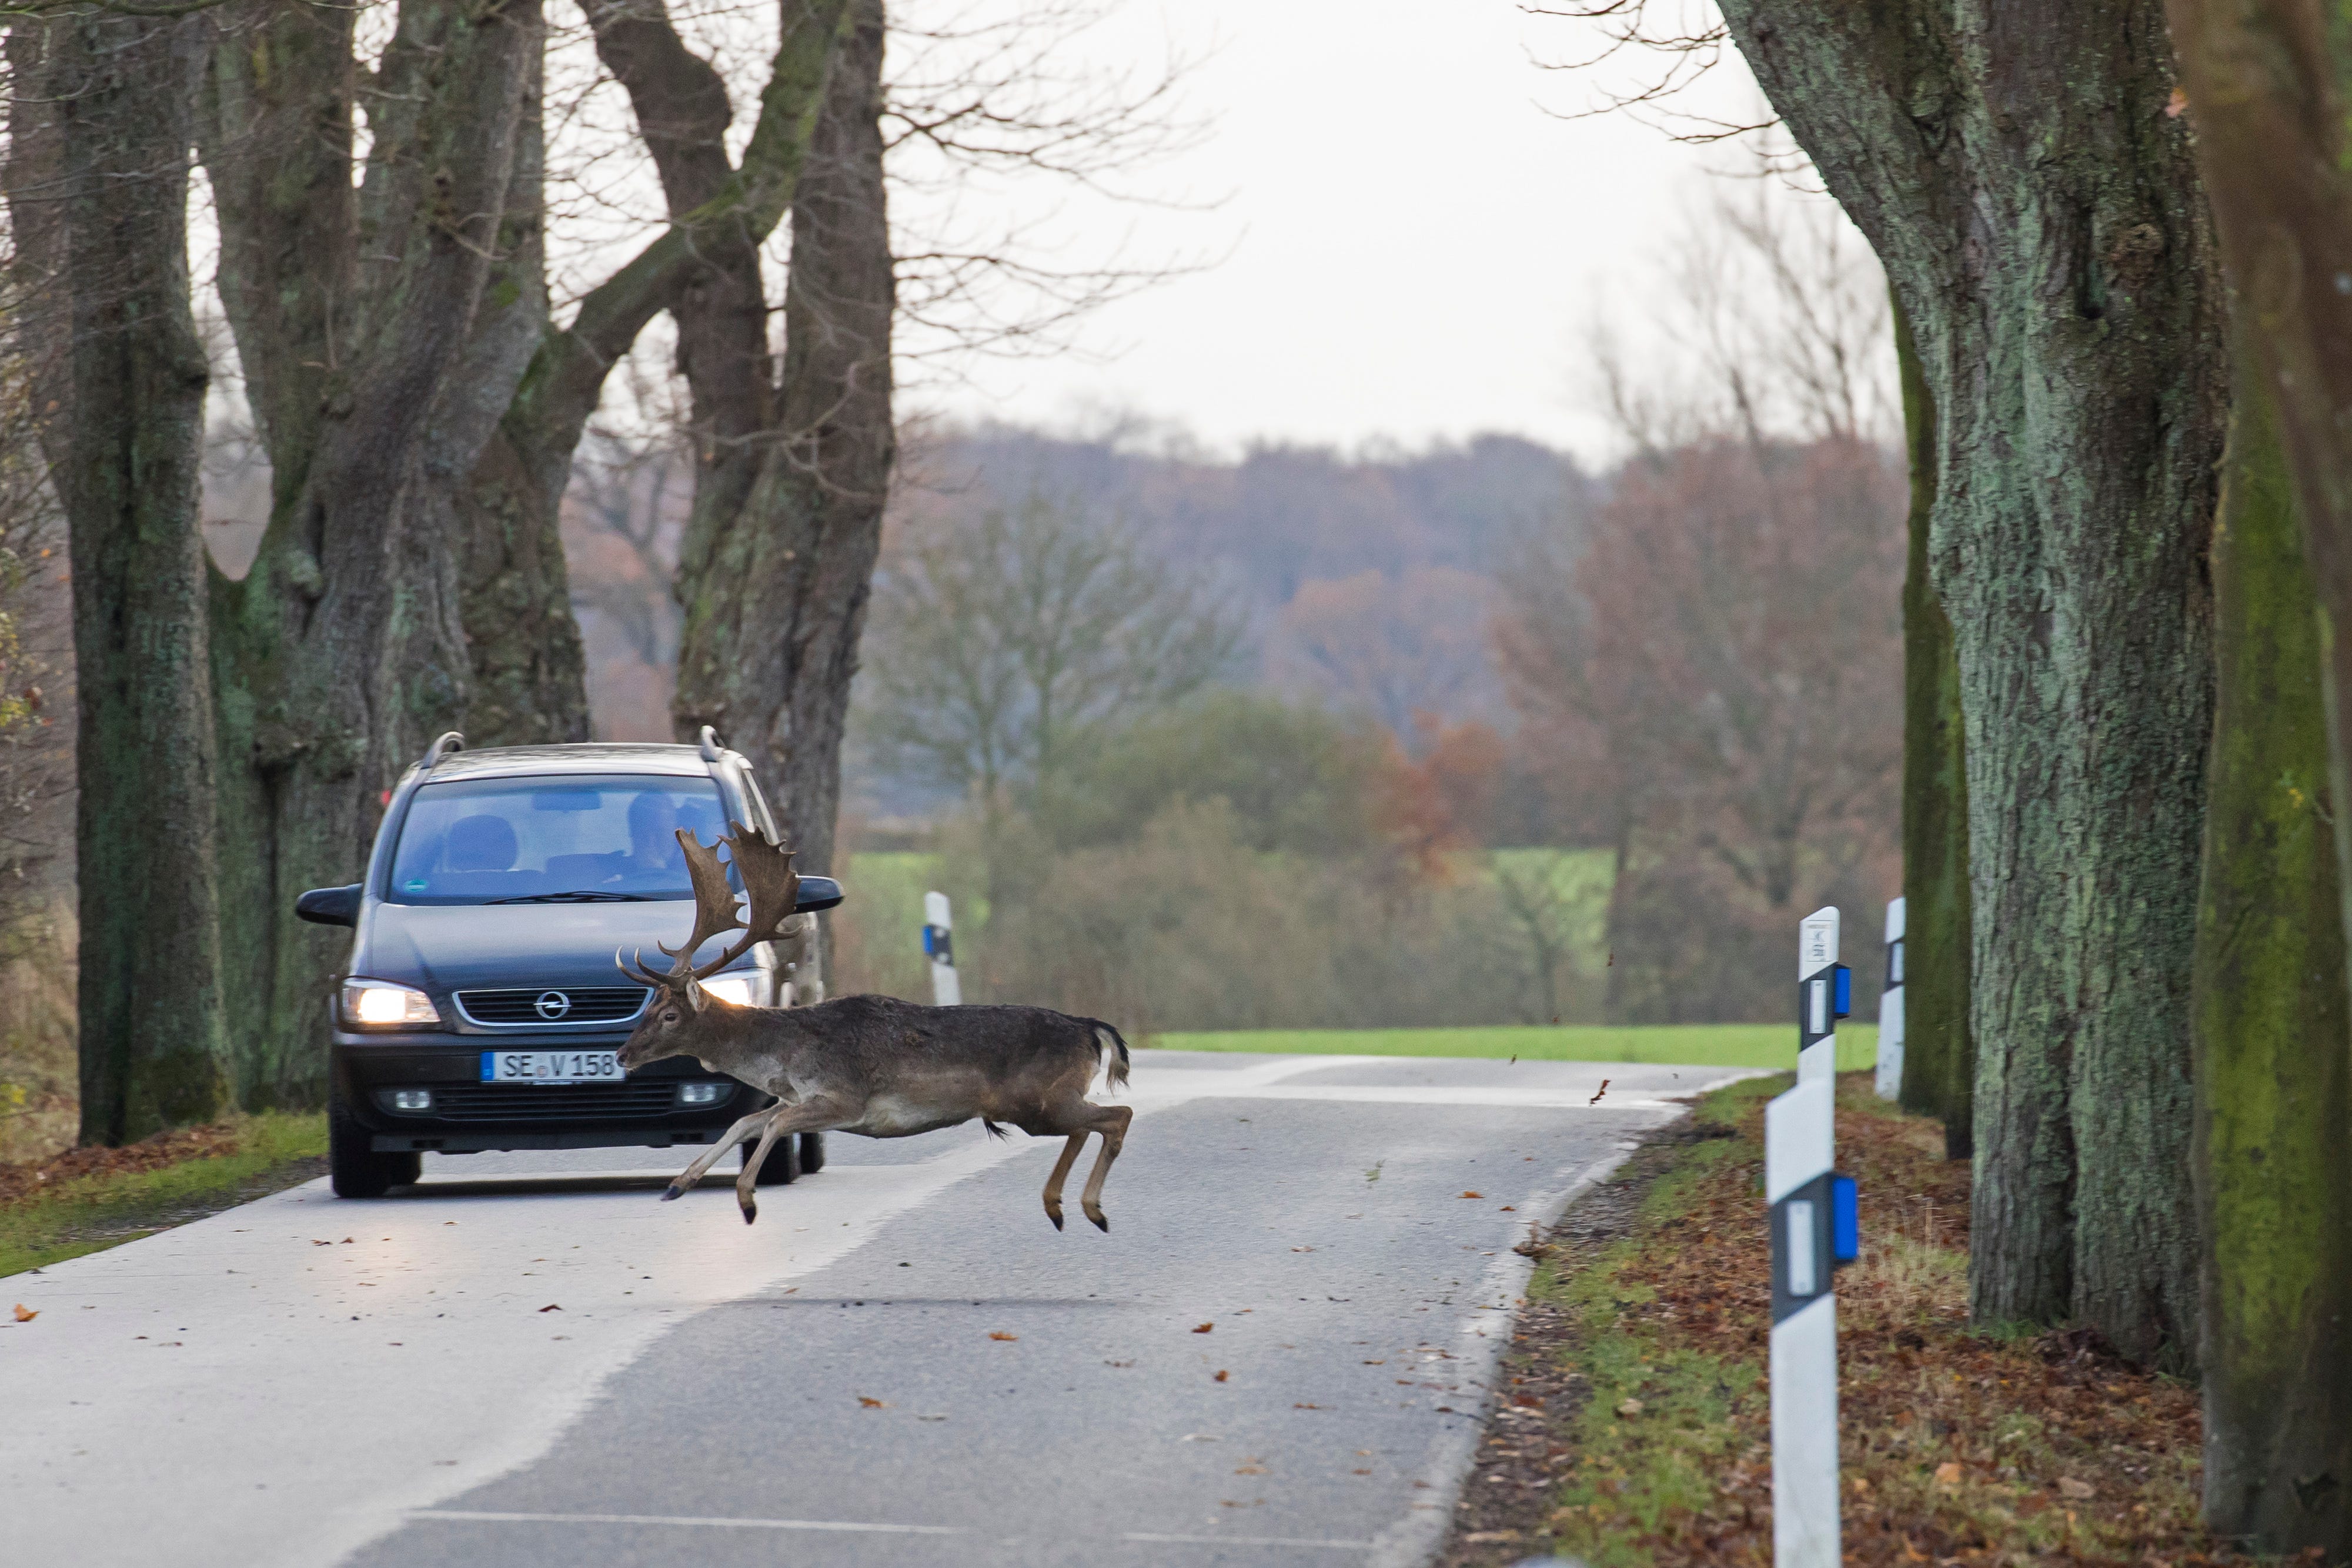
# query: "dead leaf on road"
1000, 1334
871, 1403
1204, 1328
1599, 1092
550, 1307
1221, 1376
26, 1314
1473, 1195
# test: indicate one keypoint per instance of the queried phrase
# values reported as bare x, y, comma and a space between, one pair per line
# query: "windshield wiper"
582, 896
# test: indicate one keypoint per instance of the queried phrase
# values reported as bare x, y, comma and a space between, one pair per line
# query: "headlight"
375, 1003
739, 990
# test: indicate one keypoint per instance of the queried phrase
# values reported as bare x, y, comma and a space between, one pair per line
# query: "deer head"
771, 888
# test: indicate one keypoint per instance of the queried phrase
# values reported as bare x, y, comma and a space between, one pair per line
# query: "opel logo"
553, 1005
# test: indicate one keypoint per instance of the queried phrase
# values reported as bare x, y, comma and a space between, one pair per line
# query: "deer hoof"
1101, 1223
670, 1194
750, 1212
1056, 1215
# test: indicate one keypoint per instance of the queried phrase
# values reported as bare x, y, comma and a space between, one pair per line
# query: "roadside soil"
1631, 1425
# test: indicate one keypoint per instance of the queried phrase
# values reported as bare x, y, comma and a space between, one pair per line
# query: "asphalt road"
530, 1361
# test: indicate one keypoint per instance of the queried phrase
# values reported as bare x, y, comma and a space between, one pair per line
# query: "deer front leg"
1070, 1148
1112, 1123
750, 1179
694, 1172
792, 1116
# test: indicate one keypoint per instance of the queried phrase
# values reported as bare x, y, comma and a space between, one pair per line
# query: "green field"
1764, 1045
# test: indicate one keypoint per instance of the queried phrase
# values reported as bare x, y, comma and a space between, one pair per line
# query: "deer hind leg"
1070, 1148
1112, 1121
735, 1135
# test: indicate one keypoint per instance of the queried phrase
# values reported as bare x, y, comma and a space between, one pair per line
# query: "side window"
759, 803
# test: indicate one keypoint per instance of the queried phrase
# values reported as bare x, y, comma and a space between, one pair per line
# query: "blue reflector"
1845, 1220
1844, 990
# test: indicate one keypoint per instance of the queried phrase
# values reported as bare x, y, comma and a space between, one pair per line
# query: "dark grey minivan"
481, 1008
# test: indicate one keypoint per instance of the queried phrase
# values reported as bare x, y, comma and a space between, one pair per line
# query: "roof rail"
710, 744
451, 740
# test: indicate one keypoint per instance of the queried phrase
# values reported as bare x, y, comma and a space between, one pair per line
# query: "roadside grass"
146, 1187
1960, 1447
1691, 1045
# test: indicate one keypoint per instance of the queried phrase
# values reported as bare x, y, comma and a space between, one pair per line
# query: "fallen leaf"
1306, 1407
1473, 1195
1360, 1472
1221, 1376
26, 1314
2079, 1492
1629, 1407
1000, 1334
1510, 1208
872, 1403
550, 1307
1599, 1092
2176, 104
1948, 1474
1204, 1328
1119, 1364
1250, 1471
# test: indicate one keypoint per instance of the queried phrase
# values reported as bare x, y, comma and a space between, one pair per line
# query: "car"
481, 1008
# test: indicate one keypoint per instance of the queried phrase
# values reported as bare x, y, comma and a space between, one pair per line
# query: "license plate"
551, 1067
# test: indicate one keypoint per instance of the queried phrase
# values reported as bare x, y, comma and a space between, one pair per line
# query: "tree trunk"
779, 556
1938, 1057
100, 133
2039, 217
343, 651
2273, 1040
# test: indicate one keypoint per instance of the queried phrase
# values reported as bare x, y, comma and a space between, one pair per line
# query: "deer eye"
669, 1015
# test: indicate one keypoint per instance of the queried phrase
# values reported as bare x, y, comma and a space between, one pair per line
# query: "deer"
872, 1065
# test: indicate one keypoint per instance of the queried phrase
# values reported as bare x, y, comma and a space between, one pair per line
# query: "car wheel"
356, 1170
783, 1163
812, 1153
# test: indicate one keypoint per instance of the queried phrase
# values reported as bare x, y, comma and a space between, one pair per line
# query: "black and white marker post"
1815, 1228
939, 946
1890, 1008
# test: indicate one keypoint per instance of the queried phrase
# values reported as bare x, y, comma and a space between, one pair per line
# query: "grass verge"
1633, 1426
1694, 1045
87, 1200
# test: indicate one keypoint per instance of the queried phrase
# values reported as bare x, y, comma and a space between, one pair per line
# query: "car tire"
812, 1153
783, 1163
354, 1170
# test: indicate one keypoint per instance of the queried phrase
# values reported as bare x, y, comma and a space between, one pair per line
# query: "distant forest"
1364, 581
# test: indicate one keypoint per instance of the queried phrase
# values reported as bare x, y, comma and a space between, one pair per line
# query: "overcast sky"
1412, 247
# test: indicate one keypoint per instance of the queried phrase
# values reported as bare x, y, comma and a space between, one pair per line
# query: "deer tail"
1115, 1071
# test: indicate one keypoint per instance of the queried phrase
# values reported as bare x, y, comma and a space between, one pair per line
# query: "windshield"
551, 838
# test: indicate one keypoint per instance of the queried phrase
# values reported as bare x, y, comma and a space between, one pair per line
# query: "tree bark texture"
100, 134
2040, 220
2273, 1037
778, 560
1938, 1057
383, 348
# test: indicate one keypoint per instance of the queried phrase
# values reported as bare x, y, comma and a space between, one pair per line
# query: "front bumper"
468, 1115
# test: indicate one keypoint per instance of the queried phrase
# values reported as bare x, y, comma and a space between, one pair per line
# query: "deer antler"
766, 870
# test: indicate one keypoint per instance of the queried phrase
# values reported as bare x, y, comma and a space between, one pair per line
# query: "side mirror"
816, 892
336, 905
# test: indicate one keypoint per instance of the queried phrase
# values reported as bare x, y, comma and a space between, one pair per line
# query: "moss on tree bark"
1938, 1055
2273, 1039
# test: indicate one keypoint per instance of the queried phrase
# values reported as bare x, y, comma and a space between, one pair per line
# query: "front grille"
543, 1007
557, 1103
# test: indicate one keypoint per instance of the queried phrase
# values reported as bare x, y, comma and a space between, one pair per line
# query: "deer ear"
694, 997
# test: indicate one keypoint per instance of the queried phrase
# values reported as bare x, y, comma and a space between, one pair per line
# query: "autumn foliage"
1717, 670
